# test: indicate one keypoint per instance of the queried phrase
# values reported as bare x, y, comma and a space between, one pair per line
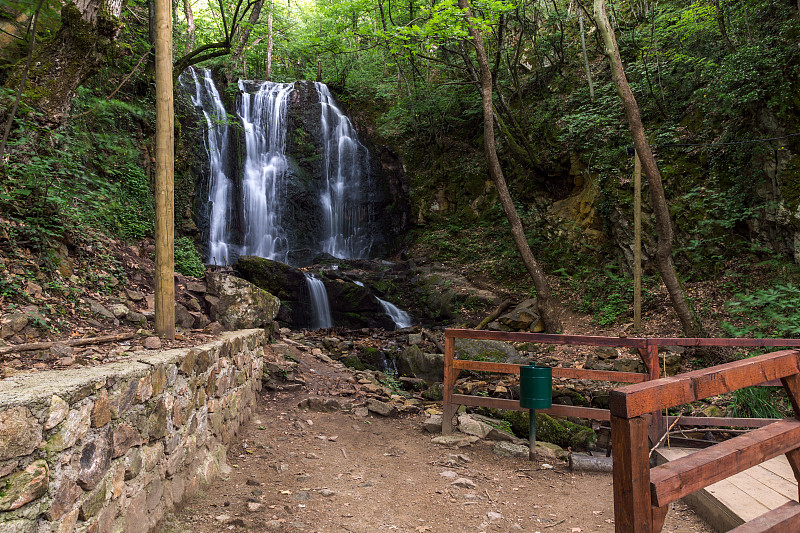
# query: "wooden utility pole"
637, 243
165, 163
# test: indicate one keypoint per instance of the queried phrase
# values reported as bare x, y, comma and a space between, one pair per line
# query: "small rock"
253, 506
215, 328
303, 496
448, 474
508, 449
458, 459
494, 516
470, 426
222, 518
464, 483
382, 408
327, 493
415, 339
433, 424
152, 343
61, 350
362, 412
136, 296
58, 412
454, 440
98, 309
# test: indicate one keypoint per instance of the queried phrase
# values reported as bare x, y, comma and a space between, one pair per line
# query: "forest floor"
332, 472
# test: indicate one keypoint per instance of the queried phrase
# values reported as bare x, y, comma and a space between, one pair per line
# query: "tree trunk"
689, 322
245, 35
547, 310
269, 43
190, 27
585, 55
61, 64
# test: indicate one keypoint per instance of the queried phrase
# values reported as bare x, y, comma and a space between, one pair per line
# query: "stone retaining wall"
111, 448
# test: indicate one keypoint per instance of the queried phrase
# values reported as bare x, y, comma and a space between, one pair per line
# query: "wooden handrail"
641, 495
636, 400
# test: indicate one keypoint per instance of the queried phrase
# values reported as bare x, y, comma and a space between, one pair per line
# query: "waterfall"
264, 119
320, 309
207, 98
400, 318
346, 164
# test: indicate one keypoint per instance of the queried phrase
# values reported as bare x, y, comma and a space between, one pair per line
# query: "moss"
790, 183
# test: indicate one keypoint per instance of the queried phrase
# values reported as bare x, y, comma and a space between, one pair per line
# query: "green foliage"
87, 174
759, 402
605, 295
771, 312
187, 259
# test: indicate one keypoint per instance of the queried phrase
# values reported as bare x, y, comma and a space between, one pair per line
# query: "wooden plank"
768, 482
793, 456
730, 341
580, 412
784, 519
632, 509
546, 338
513, 405
719, 504
762, 492
599, 375
721, 421
636, 400
485, 366
792, 386
486, 401
558, 372
683, 476
780, 467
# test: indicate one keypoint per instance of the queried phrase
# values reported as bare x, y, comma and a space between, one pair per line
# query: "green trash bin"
535, 392
536, 386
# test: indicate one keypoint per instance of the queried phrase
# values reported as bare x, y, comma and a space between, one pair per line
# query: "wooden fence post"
632, 509
450, 374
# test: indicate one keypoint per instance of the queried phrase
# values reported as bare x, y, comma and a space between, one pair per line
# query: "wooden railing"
646, 347
642, 495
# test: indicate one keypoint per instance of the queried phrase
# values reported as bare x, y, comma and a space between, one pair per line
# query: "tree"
223, 46
62, 63
547, 309
689, 321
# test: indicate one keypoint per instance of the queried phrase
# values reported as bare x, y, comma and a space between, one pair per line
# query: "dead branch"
31, 346
494, 314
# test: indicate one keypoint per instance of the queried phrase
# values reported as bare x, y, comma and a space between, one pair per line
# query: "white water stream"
207, 97
320, 308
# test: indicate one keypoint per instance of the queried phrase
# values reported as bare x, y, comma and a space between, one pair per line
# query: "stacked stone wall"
112, 448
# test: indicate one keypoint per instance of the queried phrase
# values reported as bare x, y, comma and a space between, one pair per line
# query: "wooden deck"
743, 497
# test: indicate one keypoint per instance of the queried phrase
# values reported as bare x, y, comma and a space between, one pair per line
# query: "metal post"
532, 434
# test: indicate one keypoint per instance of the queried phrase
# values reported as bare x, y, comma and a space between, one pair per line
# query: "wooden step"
679, 478
784, 519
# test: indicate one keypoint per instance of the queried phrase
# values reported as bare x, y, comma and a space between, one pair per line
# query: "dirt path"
337, 472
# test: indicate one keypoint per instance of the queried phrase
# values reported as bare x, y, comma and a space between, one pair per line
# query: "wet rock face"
383, 191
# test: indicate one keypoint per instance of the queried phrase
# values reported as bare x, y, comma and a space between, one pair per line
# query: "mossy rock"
352, 361
548, 429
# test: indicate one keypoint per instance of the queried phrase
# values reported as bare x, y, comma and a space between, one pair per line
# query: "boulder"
285, 282
523, 317
241, 305
495, 351
413, 362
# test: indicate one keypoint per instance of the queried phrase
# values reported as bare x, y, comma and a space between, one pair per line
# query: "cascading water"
345, 166
264, 119
207, 97
320, 308
400, 318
